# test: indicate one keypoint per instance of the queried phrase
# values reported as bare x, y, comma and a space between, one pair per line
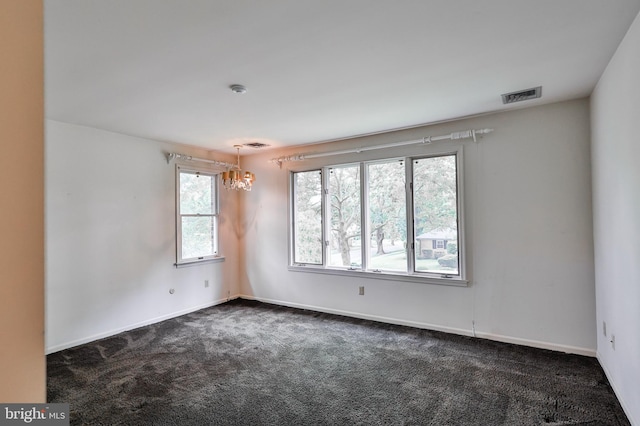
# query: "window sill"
217, 259
453, 281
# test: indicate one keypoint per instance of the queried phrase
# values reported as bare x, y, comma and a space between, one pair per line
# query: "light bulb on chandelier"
235, 179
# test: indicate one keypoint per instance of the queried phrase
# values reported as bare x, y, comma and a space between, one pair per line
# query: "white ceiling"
316, 70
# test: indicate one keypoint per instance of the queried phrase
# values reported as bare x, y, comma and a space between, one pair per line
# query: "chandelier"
235, 179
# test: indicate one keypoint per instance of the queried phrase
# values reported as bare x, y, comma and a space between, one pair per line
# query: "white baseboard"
360, 315
427, 326
88, 339
388, 320
625, 406
538, 344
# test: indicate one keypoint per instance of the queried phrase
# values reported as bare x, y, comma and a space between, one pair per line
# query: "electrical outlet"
613, 342
206, 283
361, 292
604, 328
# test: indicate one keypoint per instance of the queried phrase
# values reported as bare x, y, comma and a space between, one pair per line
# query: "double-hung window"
197, 215
397, 218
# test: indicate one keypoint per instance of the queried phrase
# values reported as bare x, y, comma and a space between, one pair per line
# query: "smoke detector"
238, 88
522, 95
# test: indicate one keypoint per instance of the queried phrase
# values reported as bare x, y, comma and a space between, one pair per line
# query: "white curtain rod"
426, 140
176, 156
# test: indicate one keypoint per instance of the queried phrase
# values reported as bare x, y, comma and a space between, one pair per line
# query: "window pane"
436, 215
344, 240
307, 217
198, 236
196, 193
387, 216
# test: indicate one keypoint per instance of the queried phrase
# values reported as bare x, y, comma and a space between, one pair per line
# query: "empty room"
304, 212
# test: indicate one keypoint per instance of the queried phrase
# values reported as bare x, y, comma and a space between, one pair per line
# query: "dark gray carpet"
248, 363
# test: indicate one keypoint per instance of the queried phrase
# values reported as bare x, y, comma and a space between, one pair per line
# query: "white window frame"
292, 216
215, 257
411, 275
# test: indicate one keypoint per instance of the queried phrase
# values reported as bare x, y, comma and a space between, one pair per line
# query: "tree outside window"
367, 222
197, 215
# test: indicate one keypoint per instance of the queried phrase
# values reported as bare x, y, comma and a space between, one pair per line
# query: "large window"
394, 217
197, 215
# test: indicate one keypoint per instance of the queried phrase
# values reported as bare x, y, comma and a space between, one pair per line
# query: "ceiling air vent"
522, 95
256, 145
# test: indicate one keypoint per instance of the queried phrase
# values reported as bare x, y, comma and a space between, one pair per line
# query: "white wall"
529, 233
110, 237
22, 362
615, 110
